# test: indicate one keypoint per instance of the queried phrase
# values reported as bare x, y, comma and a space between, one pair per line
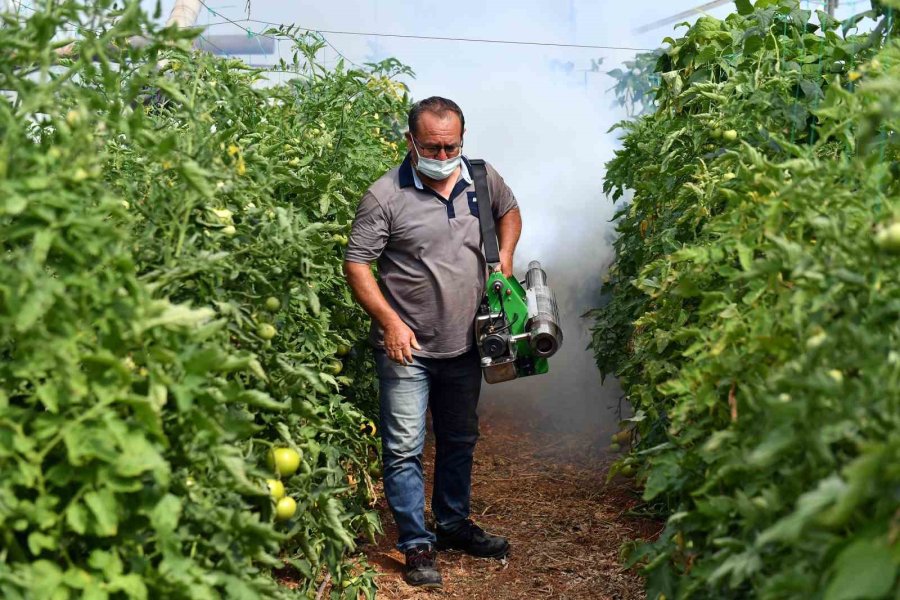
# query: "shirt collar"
409, 176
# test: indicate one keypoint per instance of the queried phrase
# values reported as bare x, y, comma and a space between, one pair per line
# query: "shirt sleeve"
369, 233
502, 198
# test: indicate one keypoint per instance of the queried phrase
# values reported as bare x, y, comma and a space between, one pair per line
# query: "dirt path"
547, 493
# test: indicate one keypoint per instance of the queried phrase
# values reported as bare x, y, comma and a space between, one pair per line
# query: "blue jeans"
450, 387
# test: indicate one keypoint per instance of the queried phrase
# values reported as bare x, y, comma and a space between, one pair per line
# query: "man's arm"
399, 339
509, 228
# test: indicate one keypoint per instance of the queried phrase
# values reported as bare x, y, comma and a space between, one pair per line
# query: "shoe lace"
421, 557
471, 529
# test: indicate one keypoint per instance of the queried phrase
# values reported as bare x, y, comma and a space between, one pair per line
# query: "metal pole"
831, 6
682, 15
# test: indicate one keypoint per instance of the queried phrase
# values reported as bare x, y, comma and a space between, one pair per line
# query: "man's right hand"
399, 340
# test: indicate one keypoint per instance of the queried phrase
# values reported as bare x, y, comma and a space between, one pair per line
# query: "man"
420, 223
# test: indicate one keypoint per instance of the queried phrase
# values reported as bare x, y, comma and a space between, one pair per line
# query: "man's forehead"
435, 117
447, 123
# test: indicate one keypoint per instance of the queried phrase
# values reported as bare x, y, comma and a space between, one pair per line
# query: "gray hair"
438, 106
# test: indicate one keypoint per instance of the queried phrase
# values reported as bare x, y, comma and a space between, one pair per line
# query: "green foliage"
754, 316
151, 200
635, 83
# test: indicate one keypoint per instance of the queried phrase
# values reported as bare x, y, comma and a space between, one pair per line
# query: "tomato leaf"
865, 569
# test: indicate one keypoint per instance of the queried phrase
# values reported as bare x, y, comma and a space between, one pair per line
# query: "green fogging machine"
517, 329
517, 325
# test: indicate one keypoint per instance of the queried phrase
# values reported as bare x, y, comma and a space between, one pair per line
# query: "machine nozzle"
543, 315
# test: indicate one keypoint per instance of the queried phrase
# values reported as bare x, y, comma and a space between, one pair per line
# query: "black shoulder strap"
485, 214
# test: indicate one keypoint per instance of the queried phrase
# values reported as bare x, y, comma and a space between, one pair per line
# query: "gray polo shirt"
430, 262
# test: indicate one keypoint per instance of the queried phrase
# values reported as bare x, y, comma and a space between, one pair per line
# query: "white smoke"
539, 115
547, 137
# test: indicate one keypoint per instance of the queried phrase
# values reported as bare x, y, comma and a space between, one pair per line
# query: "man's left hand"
506, 264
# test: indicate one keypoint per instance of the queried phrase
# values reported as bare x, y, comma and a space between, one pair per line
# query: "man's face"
437, 136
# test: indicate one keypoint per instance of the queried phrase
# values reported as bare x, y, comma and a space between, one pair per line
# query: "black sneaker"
472, 539
421, 568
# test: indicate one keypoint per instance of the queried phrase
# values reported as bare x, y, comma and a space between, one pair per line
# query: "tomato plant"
753, 315
154, 201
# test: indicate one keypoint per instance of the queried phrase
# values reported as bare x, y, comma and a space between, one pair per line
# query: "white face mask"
437, 170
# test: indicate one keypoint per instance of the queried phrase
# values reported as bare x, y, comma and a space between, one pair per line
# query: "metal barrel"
535, 275
545, 334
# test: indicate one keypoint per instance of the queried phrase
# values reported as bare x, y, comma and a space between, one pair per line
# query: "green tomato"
285, 508
816, 340
615, 447
888, 238
730, 135
335, 367
761, 502
276, 489
622, 437
273, 303
266, 331
343, 350
342, 240
73, 117
284, 461
716, 133
223, 215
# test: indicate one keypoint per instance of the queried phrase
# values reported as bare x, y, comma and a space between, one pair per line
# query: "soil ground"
546, 492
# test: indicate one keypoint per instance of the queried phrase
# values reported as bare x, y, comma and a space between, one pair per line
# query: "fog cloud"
540, 116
